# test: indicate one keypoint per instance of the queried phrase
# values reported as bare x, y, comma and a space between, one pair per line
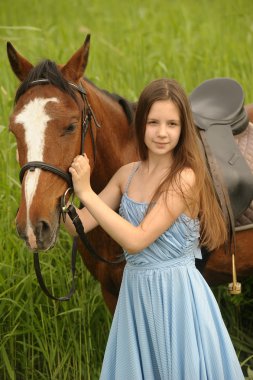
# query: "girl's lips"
161, 143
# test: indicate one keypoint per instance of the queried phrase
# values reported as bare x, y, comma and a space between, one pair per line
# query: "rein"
87, 115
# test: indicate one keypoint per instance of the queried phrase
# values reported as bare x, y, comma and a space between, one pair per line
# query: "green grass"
131, 44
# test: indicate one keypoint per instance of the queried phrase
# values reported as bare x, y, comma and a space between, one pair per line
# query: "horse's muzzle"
41, 236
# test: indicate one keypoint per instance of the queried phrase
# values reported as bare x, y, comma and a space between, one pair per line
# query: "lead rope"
37, 266
73, 271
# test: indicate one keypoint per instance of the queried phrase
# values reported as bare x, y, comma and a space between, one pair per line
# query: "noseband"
87, 116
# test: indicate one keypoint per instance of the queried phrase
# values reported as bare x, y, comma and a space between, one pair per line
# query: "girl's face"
163, 128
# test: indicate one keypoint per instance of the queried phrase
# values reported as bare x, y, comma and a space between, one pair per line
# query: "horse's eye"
70, 128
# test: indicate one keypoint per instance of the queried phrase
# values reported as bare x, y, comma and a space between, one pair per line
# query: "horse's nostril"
42, 231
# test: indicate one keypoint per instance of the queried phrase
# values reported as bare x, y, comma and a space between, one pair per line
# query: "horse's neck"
114, 140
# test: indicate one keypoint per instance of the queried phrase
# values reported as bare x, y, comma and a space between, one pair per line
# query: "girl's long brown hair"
187, 154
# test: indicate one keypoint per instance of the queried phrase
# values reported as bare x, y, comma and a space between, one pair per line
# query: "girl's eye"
173, 124
152, 122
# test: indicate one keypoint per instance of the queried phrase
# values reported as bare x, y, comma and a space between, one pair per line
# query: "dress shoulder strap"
133, 171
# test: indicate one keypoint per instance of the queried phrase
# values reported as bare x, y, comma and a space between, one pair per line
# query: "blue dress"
167, 324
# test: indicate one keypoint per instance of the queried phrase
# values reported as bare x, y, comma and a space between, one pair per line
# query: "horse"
50, 106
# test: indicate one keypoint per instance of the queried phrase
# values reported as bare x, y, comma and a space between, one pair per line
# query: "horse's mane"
47, 69
128, 107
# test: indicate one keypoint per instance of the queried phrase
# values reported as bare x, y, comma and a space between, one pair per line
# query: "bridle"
87, 116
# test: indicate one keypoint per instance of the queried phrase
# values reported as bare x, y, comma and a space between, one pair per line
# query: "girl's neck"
154, 163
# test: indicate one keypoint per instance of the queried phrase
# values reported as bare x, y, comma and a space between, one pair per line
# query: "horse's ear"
74, 68
20, 66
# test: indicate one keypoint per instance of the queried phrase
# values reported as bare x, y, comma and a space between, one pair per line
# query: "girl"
167, 324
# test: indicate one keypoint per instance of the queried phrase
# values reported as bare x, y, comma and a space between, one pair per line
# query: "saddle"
218, 112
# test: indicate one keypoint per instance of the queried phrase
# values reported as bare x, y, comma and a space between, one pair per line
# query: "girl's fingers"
72, 170
81, 158
80, 163
86, 157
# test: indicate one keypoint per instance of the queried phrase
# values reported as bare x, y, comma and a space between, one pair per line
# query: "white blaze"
34, 119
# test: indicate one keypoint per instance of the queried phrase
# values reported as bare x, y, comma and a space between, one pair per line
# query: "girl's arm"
132, 238
110, 195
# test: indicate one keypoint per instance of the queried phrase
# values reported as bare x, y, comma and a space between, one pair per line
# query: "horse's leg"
109, 275
201, 263
109, 298
110, 285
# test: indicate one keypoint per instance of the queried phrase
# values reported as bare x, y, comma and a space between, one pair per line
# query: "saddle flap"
235, 171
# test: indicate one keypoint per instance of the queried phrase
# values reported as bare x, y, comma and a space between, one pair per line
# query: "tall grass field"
132, 43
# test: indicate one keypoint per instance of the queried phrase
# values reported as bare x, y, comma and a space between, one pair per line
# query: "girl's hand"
80, 171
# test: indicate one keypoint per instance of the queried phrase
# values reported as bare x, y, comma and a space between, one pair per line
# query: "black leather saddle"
218, 112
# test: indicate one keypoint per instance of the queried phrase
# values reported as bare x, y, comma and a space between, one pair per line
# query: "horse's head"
47, 122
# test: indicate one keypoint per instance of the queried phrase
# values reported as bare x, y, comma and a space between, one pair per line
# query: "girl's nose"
162, 130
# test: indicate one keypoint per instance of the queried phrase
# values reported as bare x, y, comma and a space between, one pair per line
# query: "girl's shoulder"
124, 173
187, 177
183, 183
126, 170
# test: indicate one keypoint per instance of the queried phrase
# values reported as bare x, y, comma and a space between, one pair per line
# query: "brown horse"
46, 121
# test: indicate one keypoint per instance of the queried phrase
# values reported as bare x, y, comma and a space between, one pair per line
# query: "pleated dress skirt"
167, 324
